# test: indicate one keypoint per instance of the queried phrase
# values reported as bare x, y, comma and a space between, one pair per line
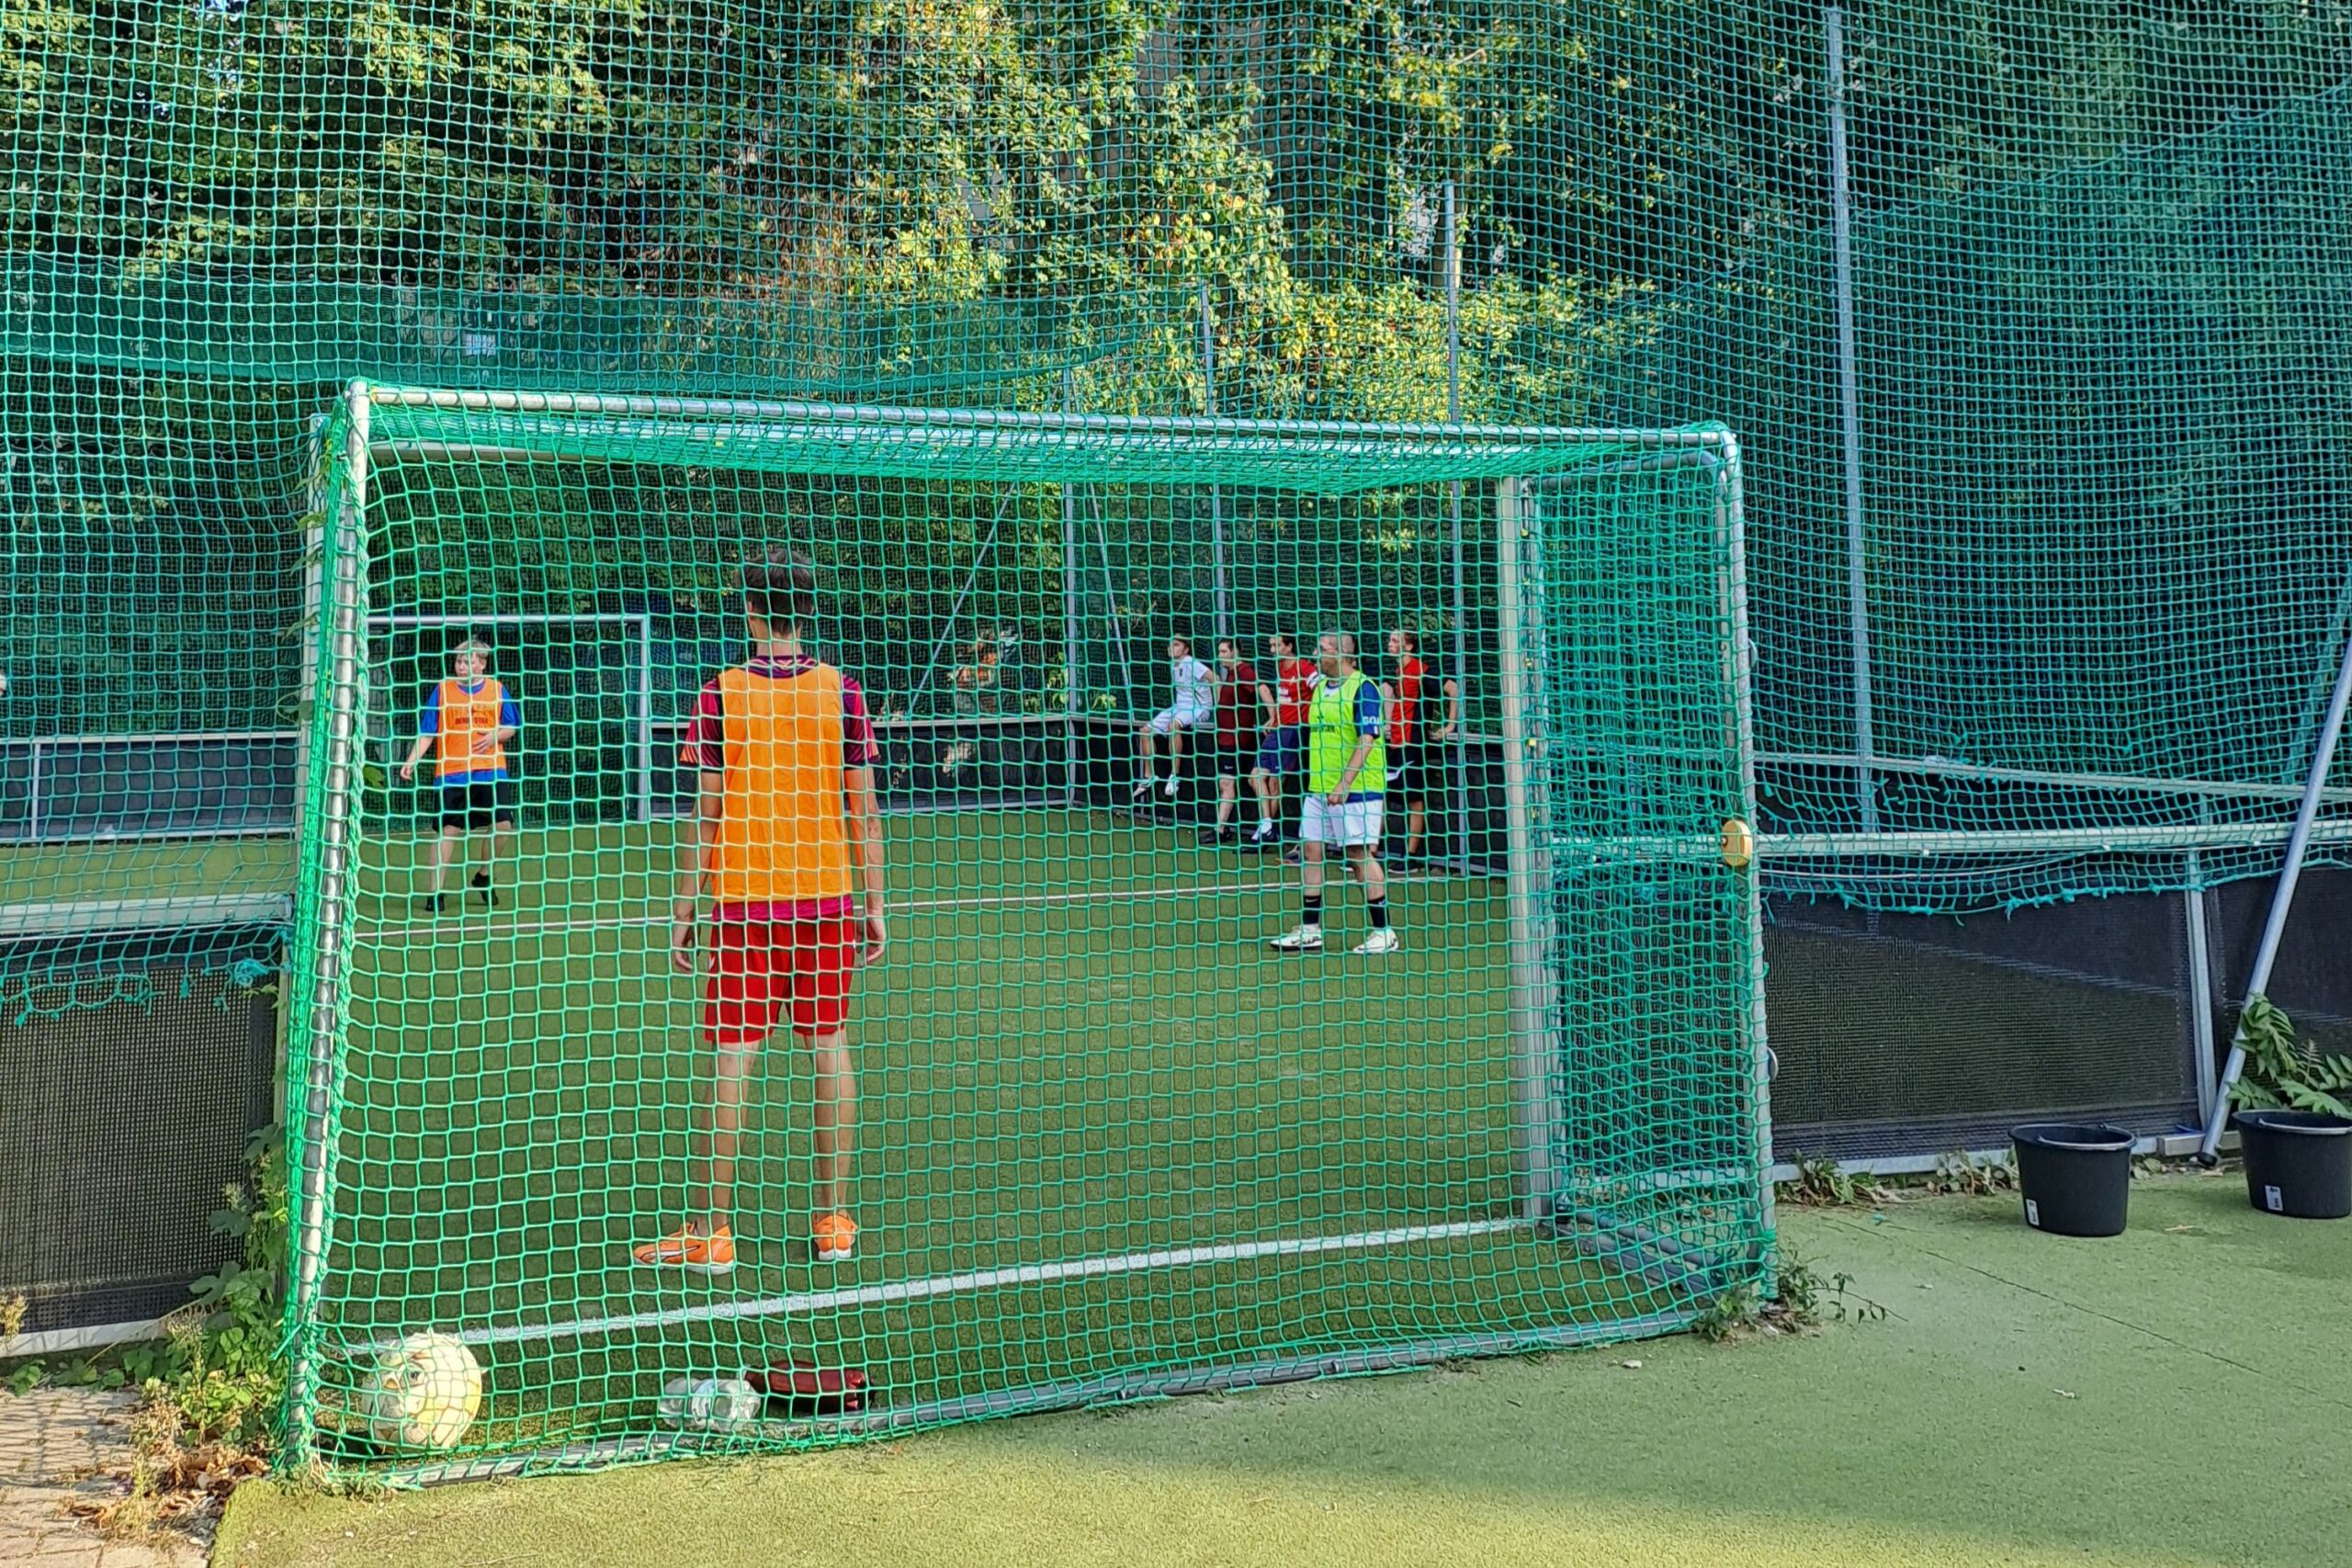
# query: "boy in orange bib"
788, 825
469, 719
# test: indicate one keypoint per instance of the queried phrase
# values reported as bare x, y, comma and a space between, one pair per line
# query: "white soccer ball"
713, 1404
422, 1394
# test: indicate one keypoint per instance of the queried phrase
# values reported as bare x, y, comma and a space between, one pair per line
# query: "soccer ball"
715, 1405
422, 1394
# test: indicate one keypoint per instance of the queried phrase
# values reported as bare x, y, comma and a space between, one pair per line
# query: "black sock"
1314, 916
481, 879
1378, 909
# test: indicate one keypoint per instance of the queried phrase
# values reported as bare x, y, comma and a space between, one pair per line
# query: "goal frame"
335, 740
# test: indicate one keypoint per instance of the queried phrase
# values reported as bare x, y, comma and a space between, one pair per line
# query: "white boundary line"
917, 907
984, 1279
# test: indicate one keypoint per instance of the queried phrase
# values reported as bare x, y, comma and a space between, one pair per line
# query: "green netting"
2092, 285
1108, 1140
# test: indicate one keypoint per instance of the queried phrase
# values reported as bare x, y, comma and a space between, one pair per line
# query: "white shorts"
1168, 719
1357, 822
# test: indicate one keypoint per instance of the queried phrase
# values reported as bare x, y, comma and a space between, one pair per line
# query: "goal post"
1112, 1141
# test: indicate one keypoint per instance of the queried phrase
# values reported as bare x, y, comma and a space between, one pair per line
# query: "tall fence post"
1222, 603
1460, 747
1071, 694
1849, 417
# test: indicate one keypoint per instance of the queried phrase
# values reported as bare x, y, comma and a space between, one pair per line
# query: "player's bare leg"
709, 1206
1175, 758
705, 1244
1142, 760
1268, 788
836, 1141
1416, 822
501, 848
445, 845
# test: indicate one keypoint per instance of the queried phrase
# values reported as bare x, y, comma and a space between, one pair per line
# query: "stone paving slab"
64, 1446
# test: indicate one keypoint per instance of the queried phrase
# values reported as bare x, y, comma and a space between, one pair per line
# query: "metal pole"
1731, 522
645, 718
1534, 1064
2258, 983
865, 415
1070, 696
1460, 769
956, 608
2200, 983
1849, 416
1221, 605
346, 589
1111, 589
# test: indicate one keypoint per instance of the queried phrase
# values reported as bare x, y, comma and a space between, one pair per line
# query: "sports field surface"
2179, 1396
1104, 1132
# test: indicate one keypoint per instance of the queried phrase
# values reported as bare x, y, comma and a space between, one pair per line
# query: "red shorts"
760, 969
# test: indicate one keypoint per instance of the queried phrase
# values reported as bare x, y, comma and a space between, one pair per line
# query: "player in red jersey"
1414, 753
1238, 698
1283, 749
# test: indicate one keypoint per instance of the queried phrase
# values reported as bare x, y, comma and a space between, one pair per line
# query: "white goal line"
806, 1301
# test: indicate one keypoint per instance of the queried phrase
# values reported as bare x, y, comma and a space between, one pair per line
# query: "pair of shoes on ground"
833, 1238
1142, 792
438, 903
1309, 939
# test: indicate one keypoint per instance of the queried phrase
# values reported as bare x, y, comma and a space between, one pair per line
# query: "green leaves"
2284, 1073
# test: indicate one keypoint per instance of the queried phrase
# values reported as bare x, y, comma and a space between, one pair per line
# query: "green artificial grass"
2178, 1395
1078, 1051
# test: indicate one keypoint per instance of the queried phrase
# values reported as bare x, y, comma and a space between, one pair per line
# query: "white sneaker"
1300, 939
1264, 834
1143, 788
1170, 791
1382, 940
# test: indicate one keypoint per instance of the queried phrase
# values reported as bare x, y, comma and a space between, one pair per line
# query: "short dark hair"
1412, 638
1179, 636
1287, 641
1228, 642
781, 589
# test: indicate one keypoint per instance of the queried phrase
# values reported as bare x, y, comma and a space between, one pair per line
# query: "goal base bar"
1073, 1395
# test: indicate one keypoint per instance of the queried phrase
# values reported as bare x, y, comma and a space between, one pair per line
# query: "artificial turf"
2177, 1396
1079, 1049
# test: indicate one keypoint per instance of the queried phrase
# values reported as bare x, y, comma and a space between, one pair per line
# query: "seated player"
1413, 753
1237, 699
788, 824
467, 720
1195, 702
976, 690
1282, 746
1346, 780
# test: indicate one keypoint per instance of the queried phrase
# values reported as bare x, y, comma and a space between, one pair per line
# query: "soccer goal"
583, 680
1129, 1104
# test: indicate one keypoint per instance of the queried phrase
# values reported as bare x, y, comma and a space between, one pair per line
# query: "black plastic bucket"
2076, 1177
2298, 1163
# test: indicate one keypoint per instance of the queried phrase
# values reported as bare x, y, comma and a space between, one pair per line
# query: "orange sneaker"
689, 1250
835, 1237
